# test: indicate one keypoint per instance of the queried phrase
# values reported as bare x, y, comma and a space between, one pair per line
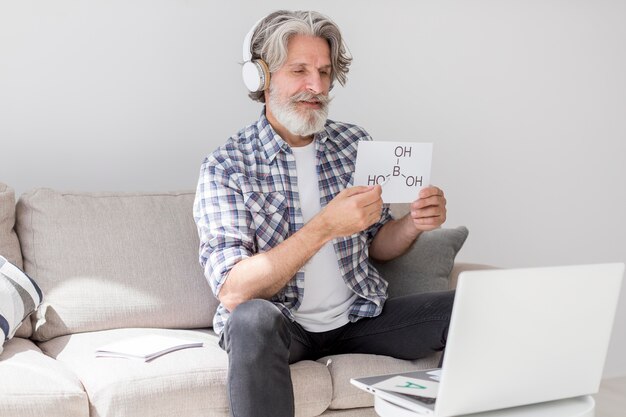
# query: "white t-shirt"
327, 298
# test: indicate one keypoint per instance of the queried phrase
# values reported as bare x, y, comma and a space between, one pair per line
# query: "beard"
301, 122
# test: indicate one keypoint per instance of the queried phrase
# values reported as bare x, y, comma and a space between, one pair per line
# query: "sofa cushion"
34, 385
187, 382
354, 412
113, 260
9, 245
427, 265
19, 297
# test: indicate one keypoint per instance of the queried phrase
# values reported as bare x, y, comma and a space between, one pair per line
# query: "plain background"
525, 102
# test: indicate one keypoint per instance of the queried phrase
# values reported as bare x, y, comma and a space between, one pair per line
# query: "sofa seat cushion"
357, 365
34, 385
113, 260
353, 412
188, 382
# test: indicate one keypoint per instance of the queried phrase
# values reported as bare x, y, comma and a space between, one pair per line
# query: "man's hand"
428, 212
352, 210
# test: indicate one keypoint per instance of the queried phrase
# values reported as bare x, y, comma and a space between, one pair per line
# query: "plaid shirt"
247, 202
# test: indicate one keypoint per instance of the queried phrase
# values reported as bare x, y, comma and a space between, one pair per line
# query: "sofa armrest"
465, 266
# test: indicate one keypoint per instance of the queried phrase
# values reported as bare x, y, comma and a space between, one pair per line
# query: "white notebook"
145, 348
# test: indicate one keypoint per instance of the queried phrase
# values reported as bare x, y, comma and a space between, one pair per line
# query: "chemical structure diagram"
409, 180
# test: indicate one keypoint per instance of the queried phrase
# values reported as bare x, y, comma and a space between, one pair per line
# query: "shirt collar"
271, 141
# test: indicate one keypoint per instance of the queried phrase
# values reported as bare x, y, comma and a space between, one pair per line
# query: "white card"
410, 386
402, 168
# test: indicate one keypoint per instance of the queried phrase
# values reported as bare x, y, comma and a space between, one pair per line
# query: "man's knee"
447, 298
441, 302
255, 319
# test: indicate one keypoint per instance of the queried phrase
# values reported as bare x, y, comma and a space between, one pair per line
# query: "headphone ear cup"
256, 75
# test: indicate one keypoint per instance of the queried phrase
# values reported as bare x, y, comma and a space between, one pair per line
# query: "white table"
571, 407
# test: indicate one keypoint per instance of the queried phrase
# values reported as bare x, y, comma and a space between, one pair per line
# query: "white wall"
524, 100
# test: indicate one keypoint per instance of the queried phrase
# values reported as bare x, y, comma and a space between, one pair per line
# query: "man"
286, 241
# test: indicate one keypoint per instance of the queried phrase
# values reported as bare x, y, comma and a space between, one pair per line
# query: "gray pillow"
427, 265
19, 296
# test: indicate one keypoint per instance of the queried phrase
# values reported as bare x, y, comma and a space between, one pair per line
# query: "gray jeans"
261, 343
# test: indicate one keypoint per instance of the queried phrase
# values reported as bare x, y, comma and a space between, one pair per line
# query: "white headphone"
256, 73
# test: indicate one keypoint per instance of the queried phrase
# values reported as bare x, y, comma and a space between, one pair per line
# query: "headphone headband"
247, 47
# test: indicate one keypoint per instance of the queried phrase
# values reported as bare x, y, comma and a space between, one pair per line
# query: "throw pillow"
427, 265
19, 296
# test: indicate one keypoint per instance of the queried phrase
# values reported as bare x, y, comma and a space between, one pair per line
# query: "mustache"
324, 100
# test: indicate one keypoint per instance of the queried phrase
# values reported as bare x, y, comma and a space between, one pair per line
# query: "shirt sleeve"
224, 224
385, 216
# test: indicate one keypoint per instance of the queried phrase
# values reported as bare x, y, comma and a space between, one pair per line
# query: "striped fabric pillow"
19, 296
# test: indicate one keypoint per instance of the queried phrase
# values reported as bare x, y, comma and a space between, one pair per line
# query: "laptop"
516, 337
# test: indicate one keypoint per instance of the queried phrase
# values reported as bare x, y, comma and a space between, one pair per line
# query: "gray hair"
272, 34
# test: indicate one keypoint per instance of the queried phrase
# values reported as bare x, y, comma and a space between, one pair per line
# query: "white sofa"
114, 265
